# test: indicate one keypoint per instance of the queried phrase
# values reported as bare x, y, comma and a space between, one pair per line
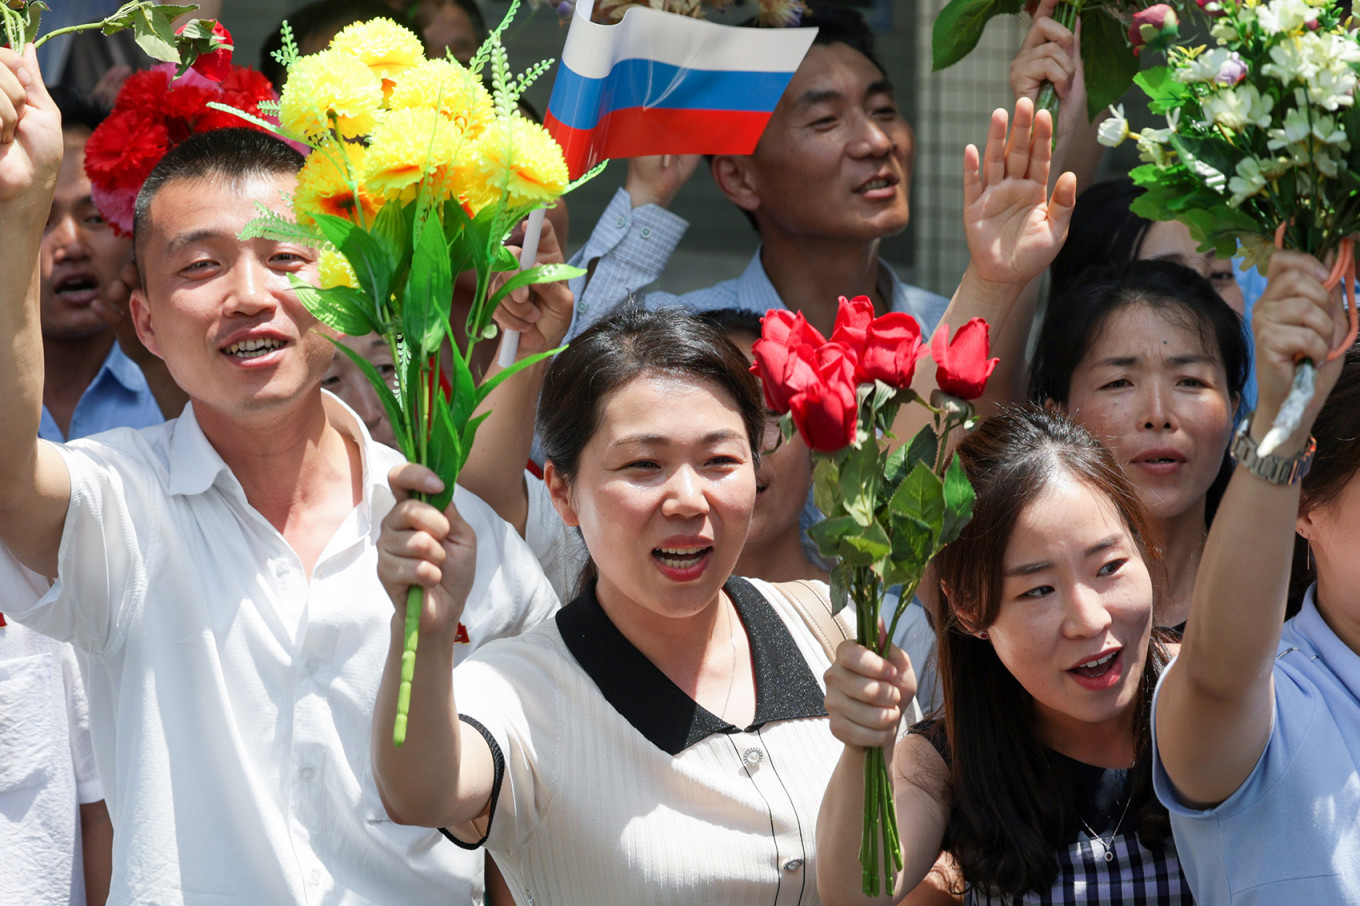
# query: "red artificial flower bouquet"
889, 507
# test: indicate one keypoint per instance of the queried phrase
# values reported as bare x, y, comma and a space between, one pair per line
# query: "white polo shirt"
46, 764
613, 786
230, 698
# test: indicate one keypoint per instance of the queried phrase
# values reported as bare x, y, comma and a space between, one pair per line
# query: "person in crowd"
345, 380
90, 383
454, 27
704, 685
1035, 779
1152, 360
1255, 723
217, 574
827, 183
314, 25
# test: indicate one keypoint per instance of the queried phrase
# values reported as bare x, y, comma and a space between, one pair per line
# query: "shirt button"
311, 665
620, 222
307, 773
280, 568
646, 232
752, 757
793, 864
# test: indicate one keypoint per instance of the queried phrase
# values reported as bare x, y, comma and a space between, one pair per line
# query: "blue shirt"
118, 397
1291, 832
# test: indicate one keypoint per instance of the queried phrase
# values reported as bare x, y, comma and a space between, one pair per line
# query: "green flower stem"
70, 29
1066, 14
415, 599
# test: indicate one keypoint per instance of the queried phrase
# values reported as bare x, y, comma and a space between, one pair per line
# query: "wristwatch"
1284, 470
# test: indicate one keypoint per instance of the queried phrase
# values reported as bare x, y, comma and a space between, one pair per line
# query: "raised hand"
421, 546
542, 312
1013, 226
1049, 54
657, 179
867, 694
30, 131
1295, 318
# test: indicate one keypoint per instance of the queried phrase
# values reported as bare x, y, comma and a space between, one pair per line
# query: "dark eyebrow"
817, 96
657, 440
882, 86
1026, 569
1179, 361
1192, 359
187, 239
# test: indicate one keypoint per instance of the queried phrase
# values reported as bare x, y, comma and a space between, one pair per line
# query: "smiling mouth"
77, 285
1097, 666
253, 349
681, 557
882, 182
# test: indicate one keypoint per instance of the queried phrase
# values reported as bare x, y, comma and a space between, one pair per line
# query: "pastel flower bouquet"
889, 508
1259, 146
416, 173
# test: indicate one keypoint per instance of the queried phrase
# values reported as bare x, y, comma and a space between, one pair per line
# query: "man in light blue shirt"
90, 384
828, 181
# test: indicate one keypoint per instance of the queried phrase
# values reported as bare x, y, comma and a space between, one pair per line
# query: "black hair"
632, 342
729, 320
231, 154
317, 18
1074, 321
1013, 807
417, 11
1103, 231
77, 110
1335, 465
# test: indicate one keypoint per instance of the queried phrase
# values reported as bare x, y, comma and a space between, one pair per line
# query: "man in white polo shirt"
217, 574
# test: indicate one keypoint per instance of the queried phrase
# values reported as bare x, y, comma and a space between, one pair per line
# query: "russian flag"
660, 83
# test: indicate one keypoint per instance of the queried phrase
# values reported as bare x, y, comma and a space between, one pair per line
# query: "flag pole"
533, 229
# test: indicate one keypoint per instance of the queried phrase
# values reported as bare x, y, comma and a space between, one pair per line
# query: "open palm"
1013, 226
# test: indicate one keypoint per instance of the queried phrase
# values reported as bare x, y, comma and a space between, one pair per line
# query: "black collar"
786, 688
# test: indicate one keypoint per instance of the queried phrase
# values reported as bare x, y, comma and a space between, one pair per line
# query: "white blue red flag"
659, 83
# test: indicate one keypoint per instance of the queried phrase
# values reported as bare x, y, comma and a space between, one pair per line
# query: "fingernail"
24, 78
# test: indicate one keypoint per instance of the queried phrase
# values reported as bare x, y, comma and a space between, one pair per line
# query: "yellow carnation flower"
406, 146
517, 159
334, 270
449, 87
384, 47
327, 185
328, 83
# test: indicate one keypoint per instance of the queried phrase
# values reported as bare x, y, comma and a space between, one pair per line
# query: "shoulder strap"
815, 609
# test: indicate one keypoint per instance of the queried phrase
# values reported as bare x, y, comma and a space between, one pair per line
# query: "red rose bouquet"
154, 112
889, 508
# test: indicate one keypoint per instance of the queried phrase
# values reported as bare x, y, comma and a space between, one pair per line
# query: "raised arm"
34, 484
865, 698
1216, 701
1014, 229
495, 467
442, 776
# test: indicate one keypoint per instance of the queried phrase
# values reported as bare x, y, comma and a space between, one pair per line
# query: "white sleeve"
88, 787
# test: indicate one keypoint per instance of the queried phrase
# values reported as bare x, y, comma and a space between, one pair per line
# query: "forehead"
829, 68
1142, 331
212, 205
1068, 514
667, 407
71, 178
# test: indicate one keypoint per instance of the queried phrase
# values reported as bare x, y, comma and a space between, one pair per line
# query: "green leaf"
392, 229
865, 547
958, 501
827, 534
389, 399
913, 543
154, 36
464, 398
924, 447
859, 480
920, 496
1109, 61
246, 118
445, 454
365, 254
959, 26
341, 308
1164, 92
840, 589
544, 273
826, 484
484, 389
428, 301
270, 224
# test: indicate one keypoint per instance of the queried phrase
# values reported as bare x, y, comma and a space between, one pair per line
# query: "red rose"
785, 357
892, 346
962, 366
852, 323
825, 413
216, 64
1156, 27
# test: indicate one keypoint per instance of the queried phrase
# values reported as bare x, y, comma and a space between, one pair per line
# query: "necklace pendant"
1109, 855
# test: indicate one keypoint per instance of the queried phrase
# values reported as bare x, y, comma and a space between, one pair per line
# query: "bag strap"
815, 609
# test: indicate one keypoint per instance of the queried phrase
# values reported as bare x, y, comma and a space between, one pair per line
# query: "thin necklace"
1108, 845
732, 673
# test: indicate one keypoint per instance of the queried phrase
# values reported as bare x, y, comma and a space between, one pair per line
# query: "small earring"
982, 635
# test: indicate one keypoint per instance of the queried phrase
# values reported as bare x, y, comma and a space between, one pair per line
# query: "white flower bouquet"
1261, 145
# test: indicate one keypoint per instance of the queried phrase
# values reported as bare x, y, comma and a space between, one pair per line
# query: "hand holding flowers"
888, 511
